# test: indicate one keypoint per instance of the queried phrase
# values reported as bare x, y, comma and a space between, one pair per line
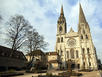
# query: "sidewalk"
91, 74
85, 74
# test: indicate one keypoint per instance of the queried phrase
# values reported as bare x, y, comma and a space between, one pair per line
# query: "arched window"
61, 52
89, 63
58, 52
77, 56
67, 54
81, 37
87, 50
86, 37
61, 39
83, 50
72, 53
84, 64
58, 40
83, 31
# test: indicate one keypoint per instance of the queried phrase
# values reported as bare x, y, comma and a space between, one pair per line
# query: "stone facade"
76, 46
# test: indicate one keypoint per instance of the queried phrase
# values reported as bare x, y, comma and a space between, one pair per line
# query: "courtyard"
84, 74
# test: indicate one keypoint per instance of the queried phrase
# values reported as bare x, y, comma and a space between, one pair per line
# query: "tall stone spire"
61, 23
81, 15
62, 13
62, 10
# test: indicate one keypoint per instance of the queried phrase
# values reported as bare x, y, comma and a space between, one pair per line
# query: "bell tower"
61, 23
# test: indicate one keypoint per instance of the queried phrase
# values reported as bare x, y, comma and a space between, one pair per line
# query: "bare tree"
38, 41
35, 41
18, 27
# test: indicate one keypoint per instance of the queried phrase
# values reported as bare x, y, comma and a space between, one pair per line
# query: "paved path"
91, 74
31, 75
85, 74
100, 73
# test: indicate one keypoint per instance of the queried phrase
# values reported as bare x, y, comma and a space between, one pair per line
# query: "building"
36, 59
16, 61
53, 60
37, 54
75, 46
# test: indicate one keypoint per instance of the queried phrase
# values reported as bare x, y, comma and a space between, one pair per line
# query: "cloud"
43, 15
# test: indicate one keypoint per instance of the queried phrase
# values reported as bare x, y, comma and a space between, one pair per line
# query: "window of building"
83, 50
58, 40
89, 63
61, 39
58, 52
72, 53
77, 56
87, 50
81, 37
84, 64
83, 31
61, 52
86, 37
67, 54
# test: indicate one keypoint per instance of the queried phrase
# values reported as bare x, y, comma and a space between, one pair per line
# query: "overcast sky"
43, 15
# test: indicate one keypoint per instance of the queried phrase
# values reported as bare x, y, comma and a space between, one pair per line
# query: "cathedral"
77, 46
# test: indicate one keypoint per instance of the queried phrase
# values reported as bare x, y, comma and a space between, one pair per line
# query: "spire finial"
61, 9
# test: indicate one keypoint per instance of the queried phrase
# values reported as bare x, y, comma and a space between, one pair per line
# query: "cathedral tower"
61, 23
88, 51
83, 27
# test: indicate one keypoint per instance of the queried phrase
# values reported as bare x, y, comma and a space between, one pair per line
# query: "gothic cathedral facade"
75, 46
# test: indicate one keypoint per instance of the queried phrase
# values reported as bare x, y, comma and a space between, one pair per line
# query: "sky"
43, 15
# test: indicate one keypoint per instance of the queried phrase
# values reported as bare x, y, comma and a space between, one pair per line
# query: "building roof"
51, 53
16, 60
36, 52
6, 52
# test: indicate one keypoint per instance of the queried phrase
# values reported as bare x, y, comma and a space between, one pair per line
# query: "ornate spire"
81, 15
62, 10
61, 18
